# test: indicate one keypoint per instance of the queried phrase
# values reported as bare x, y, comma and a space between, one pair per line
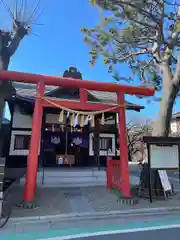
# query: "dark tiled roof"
28, 91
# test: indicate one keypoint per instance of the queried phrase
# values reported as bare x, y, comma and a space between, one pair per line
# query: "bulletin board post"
163, 154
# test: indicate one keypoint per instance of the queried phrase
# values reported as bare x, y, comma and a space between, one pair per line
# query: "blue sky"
61, 45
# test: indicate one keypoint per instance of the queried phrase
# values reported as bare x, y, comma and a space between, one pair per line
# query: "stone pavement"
55, 201
55, 206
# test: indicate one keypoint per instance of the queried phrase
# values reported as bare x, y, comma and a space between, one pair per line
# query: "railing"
113, 174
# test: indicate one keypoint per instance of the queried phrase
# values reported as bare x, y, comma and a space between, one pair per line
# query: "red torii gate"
82, 104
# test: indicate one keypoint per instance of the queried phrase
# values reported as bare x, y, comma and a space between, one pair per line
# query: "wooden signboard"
163, 154
164, 157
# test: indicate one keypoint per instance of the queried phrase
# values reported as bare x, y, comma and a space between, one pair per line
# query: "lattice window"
22, 142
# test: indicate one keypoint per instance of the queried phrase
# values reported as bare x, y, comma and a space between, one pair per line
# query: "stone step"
71, 185
52, 182
133, 179
68, 180
82, 173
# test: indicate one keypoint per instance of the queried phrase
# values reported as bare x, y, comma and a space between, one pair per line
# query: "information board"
164, 157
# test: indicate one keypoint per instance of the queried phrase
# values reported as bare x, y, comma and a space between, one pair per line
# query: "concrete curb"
97, 215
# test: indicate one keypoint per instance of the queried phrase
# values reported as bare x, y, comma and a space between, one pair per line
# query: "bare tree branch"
22, 23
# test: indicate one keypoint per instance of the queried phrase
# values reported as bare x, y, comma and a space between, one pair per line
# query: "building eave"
26, 92
31, 100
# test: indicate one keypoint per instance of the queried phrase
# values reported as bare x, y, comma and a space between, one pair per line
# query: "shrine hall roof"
29, 90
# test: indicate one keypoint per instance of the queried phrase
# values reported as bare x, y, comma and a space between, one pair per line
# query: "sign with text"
164, 157
163, 154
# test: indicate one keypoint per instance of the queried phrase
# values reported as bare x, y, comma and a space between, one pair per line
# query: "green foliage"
139, 33
93, 2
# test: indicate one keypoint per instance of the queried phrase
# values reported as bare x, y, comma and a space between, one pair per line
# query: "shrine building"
60, 139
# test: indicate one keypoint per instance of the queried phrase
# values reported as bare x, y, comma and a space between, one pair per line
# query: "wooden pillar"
32, 166
124, 168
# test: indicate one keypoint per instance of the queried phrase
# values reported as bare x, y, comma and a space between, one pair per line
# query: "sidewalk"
60, 209
80, 202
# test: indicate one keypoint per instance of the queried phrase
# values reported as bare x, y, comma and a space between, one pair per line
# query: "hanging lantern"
92, 121
61, 116
102, 119
72, 120
82, 121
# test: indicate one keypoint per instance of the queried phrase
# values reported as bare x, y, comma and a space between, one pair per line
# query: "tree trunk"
162, 124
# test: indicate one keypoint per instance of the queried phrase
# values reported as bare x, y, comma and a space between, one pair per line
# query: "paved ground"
77, 200
64, 201
86, 199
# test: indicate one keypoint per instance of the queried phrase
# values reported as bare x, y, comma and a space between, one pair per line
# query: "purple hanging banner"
79, 139
53, 139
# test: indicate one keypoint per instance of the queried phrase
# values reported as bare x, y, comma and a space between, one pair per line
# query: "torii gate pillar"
32, 165
124, 168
